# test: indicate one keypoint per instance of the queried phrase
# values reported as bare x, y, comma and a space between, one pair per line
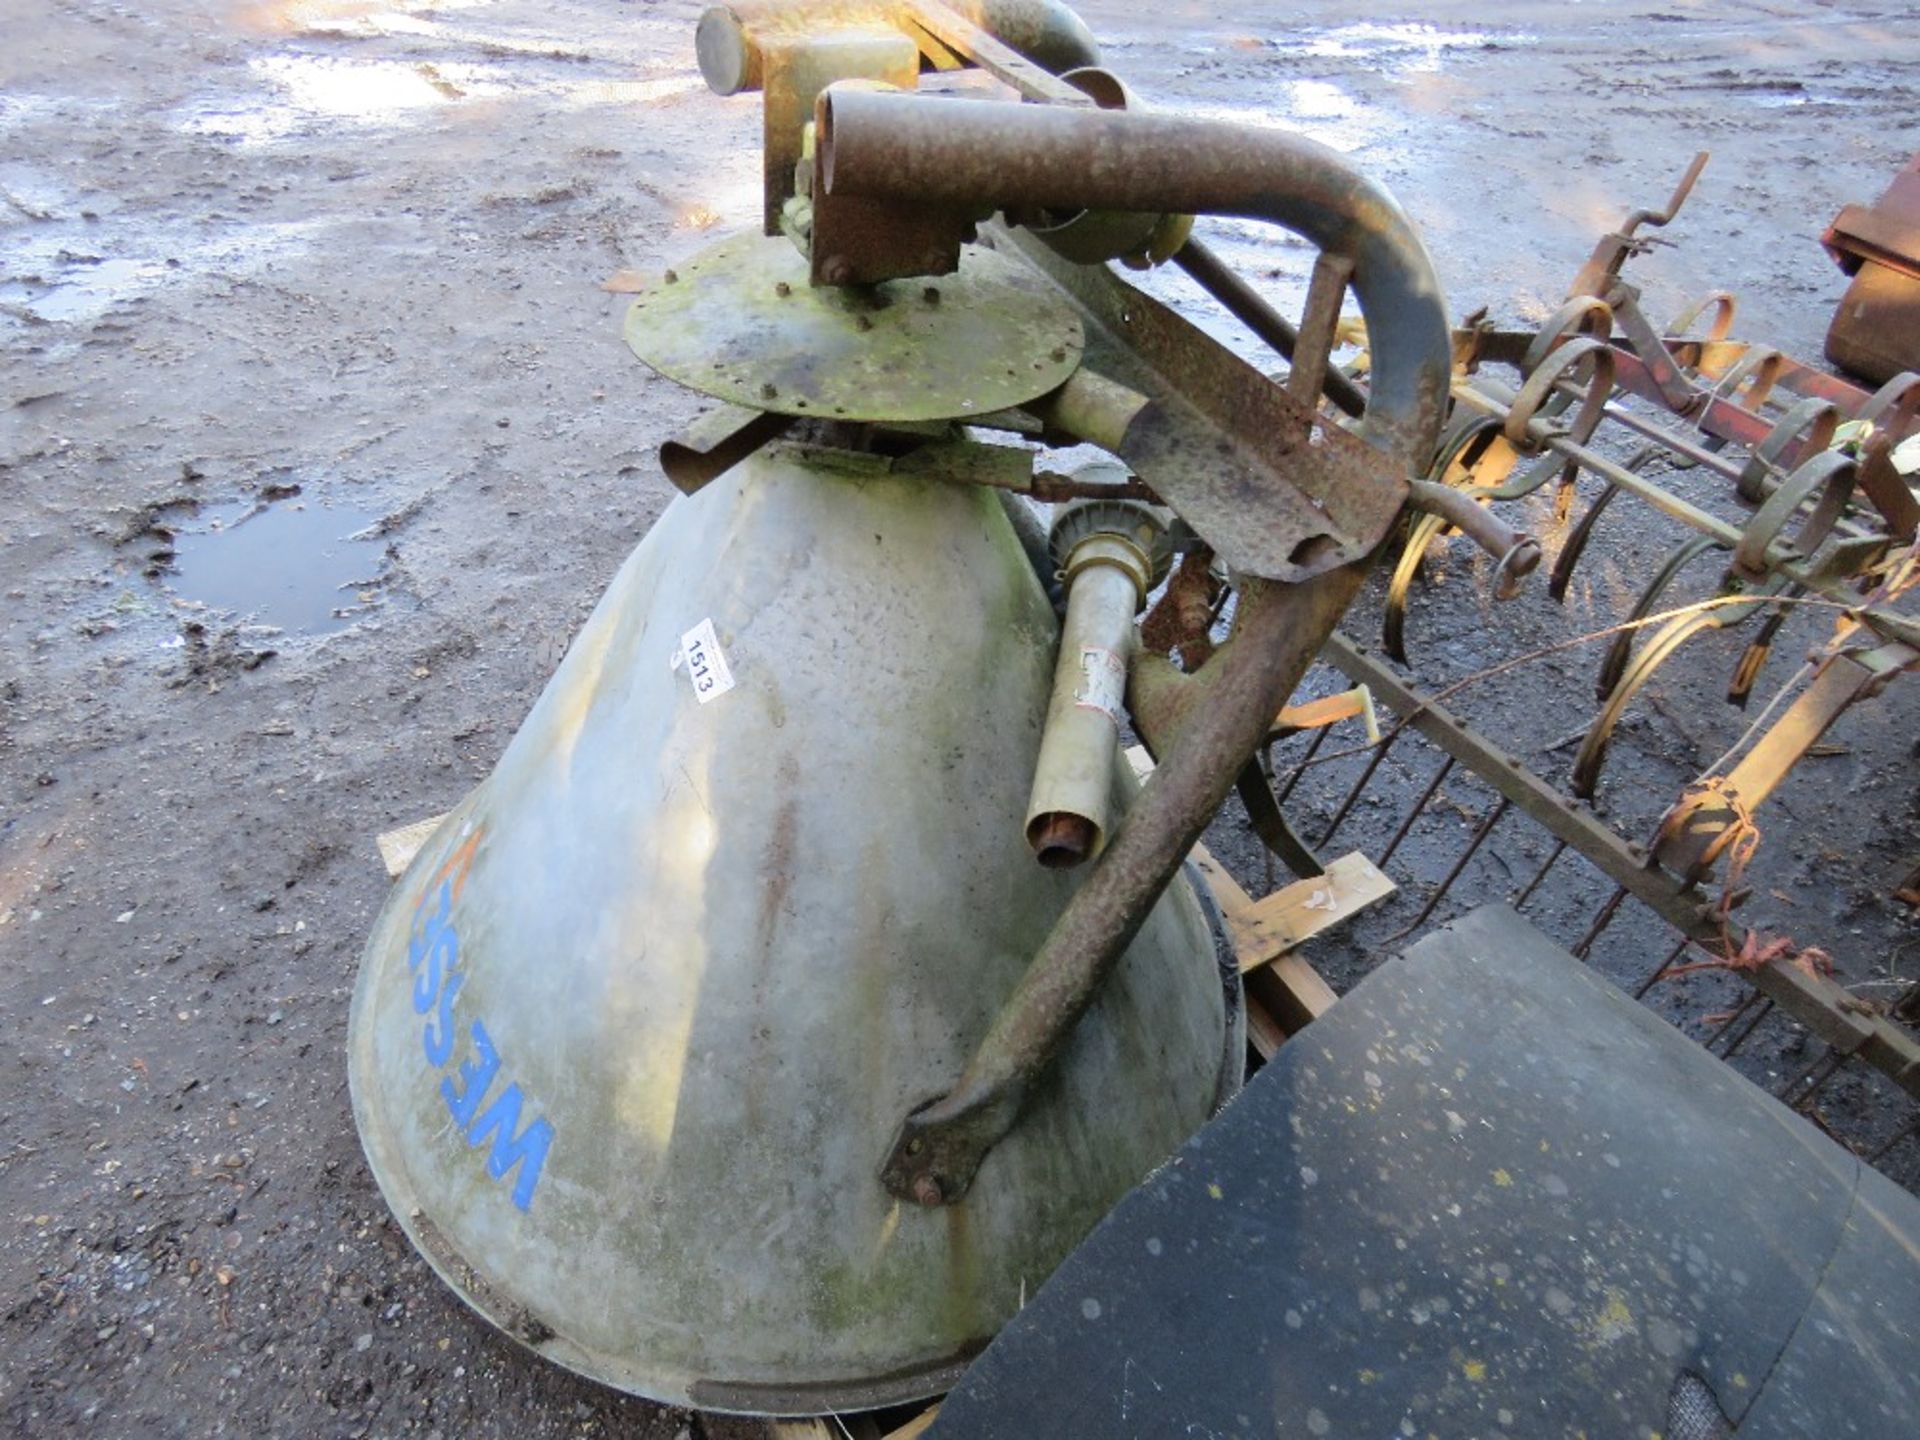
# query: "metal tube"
1300, 766
1766, 1009
1663, 434
1905, 1132
1732, 1017
983, 153
1593, 460
1664, 966
1809, 1082
1072, 797
1092, 408
1518, 553
1480, 834
1600, 923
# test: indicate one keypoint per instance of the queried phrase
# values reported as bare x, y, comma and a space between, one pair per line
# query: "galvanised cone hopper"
633, 1034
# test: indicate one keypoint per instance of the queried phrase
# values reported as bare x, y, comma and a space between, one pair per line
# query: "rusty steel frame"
1279, 629
996, 154
874, 146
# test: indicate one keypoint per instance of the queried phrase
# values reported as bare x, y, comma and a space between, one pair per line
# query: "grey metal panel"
1850, 1370
1486, 1193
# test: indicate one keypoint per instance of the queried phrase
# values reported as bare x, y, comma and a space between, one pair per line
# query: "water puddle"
296, 92
1318, 109
54, 272
1405, 45
301, 90
294, 565
1769, 99
85, 287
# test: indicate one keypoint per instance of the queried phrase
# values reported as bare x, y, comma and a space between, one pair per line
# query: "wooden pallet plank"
1295, 913
1264, 1033
398, 846
1284, 992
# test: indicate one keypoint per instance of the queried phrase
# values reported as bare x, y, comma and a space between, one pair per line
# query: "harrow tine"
1446, 766
1673, 955
1660, 649
1519, 901
1420, 537
1300, 767
1366, 776
1576, 545
1600, 922
1733, 1044
1620, 650
1570, 553
1754, 659
1479, 837
1905, 1132
1462, 451
1752, 998
1809, 1082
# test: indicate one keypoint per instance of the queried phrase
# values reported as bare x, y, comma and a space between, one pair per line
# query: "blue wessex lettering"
439, 1043
475, 1079
528, 1149
433, 955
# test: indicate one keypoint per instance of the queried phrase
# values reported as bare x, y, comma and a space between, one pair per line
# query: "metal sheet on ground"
1486, 1193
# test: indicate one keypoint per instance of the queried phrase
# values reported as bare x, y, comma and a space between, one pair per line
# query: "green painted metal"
719, 947
740, 322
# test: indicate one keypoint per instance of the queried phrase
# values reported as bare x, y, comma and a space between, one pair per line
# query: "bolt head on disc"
740, 322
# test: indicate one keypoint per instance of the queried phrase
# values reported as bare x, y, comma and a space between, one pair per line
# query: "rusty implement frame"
1791, 497
1817, 1003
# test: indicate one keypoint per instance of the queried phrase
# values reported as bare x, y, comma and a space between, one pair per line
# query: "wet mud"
318, 440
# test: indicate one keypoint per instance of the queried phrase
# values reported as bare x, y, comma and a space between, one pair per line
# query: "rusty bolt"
926, 1191
1059, 354
782, 289
931, 294
768, 391
670, 277
836, 270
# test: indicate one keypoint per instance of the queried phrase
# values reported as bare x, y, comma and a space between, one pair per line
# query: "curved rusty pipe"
987, 154
984, 155
1518, 553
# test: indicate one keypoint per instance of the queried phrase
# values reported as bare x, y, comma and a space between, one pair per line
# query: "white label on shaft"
1103, 682
706, 666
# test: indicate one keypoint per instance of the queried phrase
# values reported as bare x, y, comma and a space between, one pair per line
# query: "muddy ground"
272, 275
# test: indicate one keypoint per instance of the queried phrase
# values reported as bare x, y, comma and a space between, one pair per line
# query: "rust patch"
1184, 614
780, 858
